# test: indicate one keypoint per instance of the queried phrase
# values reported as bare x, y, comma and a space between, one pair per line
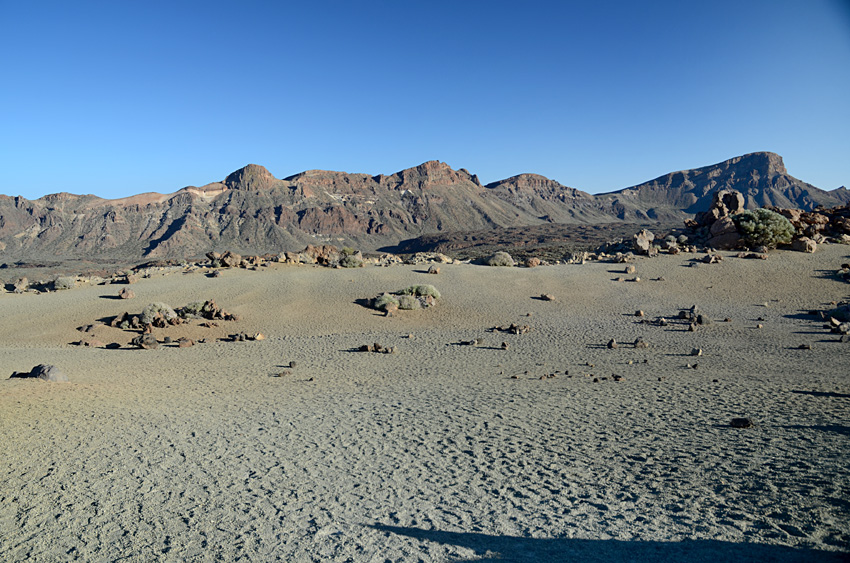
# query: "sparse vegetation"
64, 282
386, 301
408, 302
421, 290
500, 258
409, 298
763, 227
350, 261
150, 313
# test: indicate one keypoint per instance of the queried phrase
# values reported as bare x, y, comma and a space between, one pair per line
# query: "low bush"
408, 302
763, 227
385, 301
350, 261
421, 291
501, 258
150, 312
64, 282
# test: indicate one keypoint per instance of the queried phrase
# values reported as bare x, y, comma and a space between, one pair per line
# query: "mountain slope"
761, 177
252, 211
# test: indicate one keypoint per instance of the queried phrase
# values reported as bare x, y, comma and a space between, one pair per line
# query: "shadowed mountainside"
252, 211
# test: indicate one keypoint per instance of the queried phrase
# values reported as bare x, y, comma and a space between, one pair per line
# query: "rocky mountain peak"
765, 163
252, 177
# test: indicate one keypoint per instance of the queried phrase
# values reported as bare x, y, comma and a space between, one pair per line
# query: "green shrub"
350, 261
500, 258
421, 290
763, 227
347, 251
408, 302
385, 301
149, 313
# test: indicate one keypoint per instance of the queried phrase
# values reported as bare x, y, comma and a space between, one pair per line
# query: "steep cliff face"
252, 211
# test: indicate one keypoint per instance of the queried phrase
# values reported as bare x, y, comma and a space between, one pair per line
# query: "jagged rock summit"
251, 211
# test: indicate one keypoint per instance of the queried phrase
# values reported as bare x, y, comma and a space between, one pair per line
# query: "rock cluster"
377, 348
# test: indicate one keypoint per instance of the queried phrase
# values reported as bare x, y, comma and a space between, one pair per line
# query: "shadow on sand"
504, 549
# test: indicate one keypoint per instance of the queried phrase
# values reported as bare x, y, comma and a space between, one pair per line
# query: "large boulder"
643, 241
231, 259
723, 204
804, 244
724, 234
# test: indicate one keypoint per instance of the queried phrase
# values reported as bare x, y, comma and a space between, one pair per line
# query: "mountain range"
251, 211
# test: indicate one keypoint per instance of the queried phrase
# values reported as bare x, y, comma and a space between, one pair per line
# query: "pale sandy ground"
435, 453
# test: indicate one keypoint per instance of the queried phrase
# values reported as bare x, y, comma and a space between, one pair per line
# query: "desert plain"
443, 450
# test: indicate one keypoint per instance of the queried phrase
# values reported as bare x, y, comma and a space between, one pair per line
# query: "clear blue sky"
115, 98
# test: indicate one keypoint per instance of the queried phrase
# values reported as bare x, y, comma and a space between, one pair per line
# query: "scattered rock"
630, 269
434, 269
376, 348
612, 344
504, 345
696, 352
804, 244
45, 372
185, 343
741, 423
638, 313
126, 293
532, 262
547, 297
805, 347
146, 342
640, 343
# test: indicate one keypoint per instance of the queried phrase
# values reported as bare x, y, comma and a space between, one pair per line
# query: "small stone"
630, 269
185, 343
259, 336
547, 297
636, 279
434, 269
759, 326
662, 322
641, 343
612, 344
166, 340
703, 320
692, 327
805, 347
638, 313
727, 320
696, 352
741, 423
126, 293
504, 345
596, 380
514, 377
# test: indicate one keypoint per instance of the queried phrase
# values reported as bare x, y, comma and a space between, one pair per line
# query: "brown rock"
804, 244
126, 293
